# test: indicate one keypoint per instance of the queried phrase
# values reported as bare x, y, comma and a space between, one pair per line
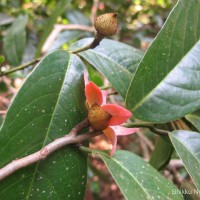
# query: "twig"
176, 163
92, 45
181, 124
177, 177
70, 138
94, 10
149, 126
112, 93
75, 27
79, 127
58, 28
20, 67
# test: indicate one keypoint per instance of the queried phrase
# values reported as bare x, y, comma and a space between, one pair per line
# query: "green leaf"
166, 85
161, 154
95, 76
1, 120
194, 118
60, 8
49, 104
187, 145
65, 37
3, 87
14, 41
2, 59
138, 179
115, 60
77, 17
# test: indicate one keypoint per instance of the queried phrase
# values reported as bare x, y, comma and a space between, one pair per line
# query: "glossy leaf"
65, 37
138, 179
115, 60
166, 85
194, 118
14, 41
161, 154
49, 104
187, 145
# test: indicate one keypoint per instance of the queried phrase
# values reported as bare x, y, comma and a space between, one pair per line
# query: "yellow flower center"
98, 117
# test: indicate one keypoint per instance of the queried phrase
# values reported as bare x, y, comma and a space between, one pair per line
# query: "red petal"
105, 94
119, 114
110, 134
86, 77
93, 94
120, 130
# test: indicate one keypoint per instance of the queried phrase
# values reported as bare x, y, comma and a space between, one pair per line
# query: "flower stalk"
105, 25
98, 38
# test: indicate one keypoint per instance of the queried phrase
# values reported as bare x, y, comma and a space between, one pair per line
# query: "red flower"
106, 117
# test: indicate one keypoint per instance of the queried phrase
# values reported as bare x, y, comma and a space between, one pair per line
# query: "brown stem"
92, 45
75, 27
79, 127
71, 138
20, 67
149, 126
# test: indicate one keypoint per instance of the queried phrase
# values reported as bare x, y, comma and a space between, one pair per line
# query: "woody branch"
71, 138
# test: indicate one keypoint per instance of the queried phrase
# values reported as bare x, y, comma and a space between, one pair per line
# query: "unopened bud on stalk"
106, 24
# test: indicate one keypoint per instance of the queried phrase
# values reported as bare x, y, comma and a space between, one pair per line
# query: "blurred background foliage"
139, 20
30, 29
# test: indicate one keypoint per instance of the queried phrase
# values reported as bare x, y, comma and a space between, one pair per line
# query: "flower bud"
106, 24
98, 118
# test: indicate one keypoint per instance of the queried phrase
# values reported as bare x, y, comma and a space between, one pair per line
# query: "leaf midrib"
36, 168
151, 91
129, 173
181, 143
161, 82
109, 59
125, 70
143, 99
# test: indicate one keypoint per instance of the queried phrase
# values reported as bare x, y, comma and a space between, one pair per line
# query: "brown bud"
106, 24
98, 118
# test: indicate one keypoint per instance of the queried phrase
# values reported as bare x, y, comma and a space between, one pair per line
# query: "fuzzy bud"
106, 24
98, 118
